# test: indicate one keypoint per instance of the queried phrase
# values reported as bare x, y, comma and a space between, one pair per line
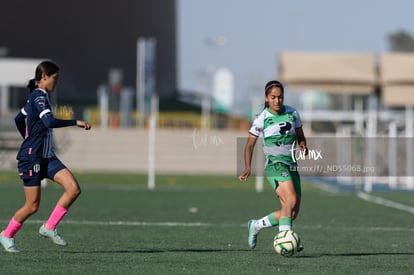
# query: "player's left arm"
300, 136
51, 122
44, 109
83, 124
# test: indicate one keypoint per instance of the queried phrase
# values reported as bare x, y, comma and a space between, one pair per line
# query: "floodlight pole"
140, 85
371, 133
4, 99
392, 154
259, 161
409, 134
151, 141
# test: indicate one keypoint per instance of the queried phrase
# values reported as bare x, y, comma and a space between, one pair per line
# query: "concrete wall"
177, 151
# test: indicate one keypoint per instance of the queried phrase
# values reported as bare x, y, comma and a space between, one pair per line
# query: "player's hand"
244, 175
83, 124
304, 149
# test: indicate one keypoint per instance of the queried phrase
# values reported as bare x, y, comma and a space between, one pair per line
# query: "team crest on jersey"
284, 174
36, 168
292, 117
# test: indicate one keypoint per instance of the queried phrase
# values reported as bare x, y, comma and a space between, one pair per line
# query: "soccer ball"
286, 243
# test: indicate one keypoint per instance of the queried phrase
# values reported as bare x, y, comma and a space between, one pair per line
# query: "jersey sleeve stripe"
254, 134
44, 112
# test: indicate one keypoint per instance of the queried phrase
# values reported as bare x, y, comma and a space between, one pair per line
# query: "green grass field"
197, 225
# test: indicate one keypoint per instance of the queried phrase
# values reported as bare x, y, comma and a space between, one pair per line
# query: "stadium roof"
340, 73
397, 78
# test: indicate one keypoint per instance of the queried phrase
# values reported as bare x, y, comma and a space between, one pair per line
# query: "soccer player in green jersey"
281, 128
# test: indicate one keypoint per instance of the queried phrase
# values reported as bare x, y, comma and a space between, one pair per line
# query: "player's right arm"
255, 131
20, 120
248, 153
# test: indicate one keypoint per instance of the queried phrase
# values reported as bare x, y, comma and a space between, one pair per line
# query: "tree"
401, 41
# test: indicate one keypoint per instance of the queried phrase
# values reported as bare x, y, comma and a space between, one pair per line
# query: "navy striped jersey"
278, 132
35, 122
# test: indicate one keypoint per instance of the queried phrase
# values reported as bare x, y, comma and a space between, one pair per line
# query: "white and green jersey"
278, 132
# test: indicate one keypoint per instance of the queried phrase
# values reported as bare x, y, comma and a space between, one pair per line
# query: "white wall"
177, 151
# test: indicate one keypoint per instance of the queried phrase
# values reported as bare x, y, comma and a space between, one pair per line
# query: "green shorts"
280, 172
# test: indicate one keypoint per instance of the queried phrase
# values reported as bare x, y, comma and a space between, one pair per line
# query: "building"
87, 39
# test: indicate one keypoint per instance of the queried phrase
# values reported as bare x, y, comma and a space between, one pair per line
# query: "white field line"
201, 224
385, 202
328, 188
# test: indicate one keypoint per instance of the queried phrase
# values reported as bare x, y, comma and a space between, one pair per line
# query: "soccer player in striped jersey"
37, 160
281, 128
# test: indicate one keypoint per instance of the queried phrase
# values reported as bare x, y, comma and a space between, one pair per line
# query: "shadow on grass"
150, 251
195, 250
357, 254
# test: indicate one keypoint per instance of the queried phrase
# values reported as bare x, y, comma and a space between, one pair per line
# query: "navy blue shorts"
33, 170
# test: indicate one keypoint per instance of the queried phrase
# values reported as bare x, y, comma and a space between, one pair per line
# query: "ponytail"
32, 85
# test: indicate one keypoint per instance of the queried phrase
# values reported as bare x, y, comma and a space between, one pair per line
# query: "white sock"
262, 223
285, 227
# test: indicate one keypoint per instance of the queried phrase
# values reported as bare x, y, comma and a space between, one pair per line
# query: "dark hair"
271, 84
47, 68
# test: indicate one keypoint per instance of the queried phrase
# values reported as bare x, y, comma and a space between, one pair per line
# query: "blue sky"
255, 31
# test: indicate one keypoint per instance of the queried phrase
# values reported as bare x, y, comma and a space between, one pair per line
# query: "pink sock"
12, 228
57, 215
